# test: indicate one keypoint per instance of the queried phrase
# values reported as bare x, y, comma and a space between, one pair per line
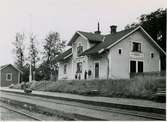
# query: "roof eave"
161, 50
72, 39
13, 67
139, 27
123, 38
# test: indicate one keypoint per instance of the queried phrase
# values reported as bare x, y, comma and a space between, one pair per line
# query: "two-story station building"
112, 56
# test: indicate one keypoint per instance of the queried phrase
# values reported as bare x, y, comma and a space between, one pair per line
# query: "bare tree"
19, 50
33, 54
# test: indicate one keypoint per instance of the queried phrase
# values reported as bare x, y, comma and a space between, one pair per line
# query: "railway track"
152, 116
21, 112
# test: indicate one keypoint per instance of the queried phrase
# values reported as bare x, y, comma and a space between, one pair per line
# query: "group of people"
86, 74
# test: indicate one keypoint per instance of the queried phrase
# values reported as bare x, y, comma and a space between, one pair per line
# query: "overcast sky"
65, 17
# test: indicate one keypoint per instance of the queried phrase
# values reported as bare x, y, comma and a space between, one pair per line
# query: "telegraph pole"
30, 72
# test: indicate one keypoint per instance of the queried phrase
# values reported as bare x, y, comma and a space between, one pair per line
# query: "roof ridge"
121, 31
91, 33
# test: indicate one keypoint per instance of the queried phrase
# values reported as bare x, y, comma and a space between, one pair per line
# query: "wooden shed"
9, 74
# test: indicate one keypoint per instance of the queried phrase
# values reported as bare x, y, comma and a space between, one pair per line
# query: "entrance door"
140, 66
96, 70
132, 66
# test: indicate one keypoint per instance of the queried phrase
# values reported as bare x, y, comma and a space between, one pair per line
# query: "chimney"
113, 29
98, 29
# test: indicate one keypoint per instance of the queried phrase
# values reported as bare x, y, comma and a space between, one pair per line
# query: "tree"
19, 50
53, 46
33, 54
155, 25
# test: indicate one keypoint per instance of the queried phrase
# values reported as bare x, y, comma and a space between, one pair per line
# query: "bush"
139, 87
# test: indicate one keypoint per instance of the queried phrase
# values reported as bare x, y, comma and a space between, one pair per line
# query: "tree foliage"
155, 25
33, 51
33, 54
53, 46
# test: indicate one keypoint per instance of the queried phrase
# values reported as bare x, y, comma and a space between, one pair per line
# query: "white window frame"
137, 61
10, 77
136, 42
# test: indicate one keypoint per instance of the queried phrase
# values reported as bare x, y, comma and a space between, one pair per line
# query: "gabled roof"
91, 37
112, 39
4, 66
108, 40
64, 55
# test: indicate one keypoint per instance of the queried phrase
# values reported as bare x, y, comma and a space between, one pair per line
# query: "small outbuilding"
9, 74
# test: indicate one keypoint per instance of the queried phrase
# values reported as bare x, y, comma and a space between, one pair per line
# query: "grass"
140, 87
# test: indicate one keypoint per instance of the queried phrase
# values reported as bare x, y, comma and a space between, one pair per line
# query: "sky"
65, 17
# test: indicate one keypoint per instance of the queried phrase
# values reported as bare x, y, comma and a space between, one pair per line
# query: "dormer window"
136, 47
79, 49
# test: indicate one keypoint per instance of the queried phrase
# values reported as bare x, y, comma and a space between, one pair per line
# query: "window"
79, 67
119, 51
136, 47
79, 49
136, 66
152, 55
132, 66
97, 70
9, 76
65, 68
140, 66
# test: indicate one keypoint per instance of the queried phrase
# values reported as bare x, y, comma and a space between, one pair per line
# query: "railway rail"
22, 113
152, 116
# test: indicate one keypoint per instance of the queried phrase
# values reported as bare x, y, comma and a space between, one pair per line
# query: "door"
97, 70
140, 66
132, 66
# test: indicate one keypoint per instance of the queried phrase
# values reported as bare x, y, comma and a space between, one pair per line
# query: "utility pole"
30, 72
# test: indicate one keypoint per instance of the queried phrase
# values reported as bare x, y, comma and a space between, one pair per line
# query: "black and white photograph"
83, 60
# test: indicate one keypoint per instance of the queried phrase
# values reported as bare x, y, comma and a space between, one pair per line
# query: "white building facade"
113, 56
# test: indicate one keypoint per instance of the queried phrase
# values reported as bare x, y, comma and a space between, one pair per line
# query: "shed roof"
6, 65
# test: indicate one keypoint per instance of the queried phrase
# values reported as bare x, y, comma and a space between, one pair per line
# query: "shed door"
96, 70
